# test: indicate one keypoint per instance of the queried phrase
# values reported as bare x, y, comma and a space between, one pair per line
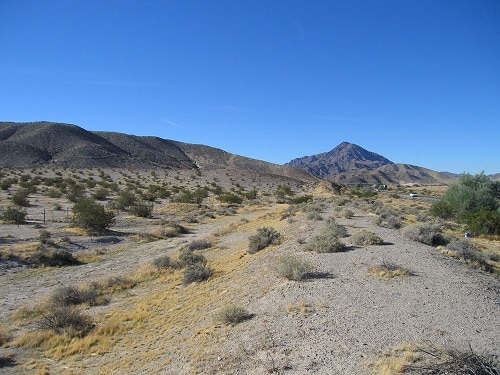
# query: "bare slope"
26, 145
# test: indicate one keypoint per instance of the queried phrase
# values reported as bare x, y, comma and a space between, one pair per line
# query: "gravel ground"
352, 316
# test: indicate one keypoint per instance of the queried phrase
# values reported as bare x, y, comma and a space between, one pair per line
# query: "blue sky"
417, 81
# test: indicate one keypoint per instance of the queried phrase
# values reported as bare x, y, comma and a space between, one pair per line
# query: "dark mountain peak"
351, 152
346, 157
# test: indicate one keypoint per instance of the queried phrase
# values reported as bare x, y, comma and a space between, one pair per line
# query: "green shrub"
291, 267
264, 237
301, 199
364, 237
142, 209
485, 221
92, 217
21, 198
229, 198
232, 315
427, 233
14, 215
125, 199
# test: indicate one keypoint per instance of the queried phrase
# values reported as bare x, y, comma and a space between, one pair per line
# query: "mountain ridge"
44, 143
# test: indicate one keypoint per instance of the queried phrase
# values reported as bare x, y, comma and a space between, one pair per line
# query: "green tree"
92, 217
475, 201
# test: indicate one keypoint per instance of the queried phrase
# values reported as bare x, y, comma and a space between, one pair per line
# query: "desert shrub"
66, 319
70, 295
75, 192
187, 196
92, 217
187, 257
21, 198
14, 215
115, 283
427, 233
291, 267
199, 245
301, 199
387, 218
334, 229
196, 272
162, 262
346, 213
44, 236
364, 237
314, 216
264, 237
283, 191
141, 209
52, 258
169, 230
485, 221
466, 250
325, 243
388, 270
101, 194
125, 199
232, 315
229, 198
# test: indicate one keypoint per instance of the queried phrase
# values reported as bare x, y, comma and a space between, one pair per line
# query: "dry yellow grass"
393, 361
300, 307
388, 271
160, 318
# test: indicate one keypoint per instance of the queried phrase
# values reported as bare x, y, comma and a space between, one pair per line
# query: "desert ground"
341, 317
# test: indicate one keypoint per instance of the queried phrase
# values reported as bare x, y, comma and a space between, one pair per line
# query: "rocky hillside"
34, 144
350, 164
346, 157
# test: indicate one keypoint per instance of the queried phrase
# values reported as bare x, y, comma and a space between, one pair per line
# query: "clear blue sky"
417, 81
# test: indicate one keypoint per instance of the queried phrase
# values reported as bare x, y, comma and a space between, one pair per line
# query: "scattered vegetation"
232, 315
427, 233
327, 241
14, 215
474, 201
389, 270
66, 319
264, 237
291, 267
92, 217
364, 237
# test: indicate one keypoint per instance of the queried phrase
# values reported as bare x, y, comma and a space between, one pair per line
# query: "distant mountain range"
26, 145
350, 164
